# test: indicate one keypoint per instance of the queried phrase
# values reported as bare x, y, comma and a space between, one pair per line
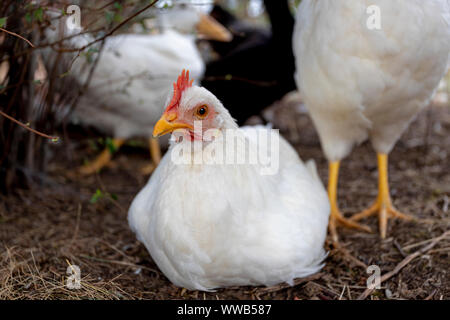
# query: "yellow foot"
336, 217
102, 160
338, 220
385, 210
383, 204
148, 169
155, 155
155, 150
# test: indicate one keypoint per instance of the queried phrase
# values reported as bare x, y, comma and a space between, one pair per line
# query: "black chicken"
257, 68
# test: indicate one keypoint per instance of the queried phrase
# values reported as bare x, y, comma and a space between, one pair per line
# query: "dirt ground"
74, 220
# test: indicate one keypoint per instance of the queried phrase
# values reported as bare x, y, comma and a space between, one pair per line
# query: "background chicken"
245, 35
129, 84
217, 224
362, 83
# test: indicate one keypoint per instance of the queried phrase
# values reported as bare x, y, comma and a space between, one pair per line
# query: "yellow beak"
210, 29
163, 126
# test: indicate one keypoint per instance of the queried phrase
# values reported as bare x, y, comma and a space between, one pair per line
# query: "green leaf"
113, 196
136, 143
28, 17
297, 3
109, 16
89, 54
65, 74
96, 196
117, 17
2, 22
110, 145
92, 144
39, 14
93, 50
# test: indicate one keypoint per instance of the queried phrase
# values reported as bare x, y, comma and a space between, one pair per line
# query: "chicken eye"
202, 111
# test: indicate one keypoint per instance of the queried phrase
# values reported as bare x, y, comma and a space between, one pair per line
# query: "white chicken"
213, 224
365, 69
127, 90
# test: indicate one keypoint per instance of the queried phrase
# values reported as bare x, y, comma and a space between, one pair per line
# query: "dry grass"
45, 229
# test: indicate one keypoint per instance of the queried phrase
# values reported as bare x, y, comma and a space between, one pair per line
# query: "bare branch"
27, 127
18, 36
109, 33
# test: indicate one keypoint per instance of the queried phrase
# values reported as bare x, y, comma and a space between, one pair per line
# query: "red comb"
178, 88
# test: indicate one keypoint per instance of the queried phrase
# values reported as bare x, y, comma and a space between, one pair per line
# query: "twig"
285, 285
109, 32
431, 295
49, 44
122, 263
231, 77
18, 36
342, 293
77, 225
88, 80
350, 257
418, 244
326, 289
349, 293
399, 248
28, 128
404, 262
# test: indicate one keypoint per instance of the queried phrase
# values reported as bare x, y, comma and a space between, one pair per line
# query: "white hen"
360, 82
216, 225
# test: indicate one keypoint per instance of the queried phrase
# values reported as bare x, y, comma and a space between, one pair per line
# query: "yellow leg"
102, 160
155, 150
336, 217
383, 204
155, 155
